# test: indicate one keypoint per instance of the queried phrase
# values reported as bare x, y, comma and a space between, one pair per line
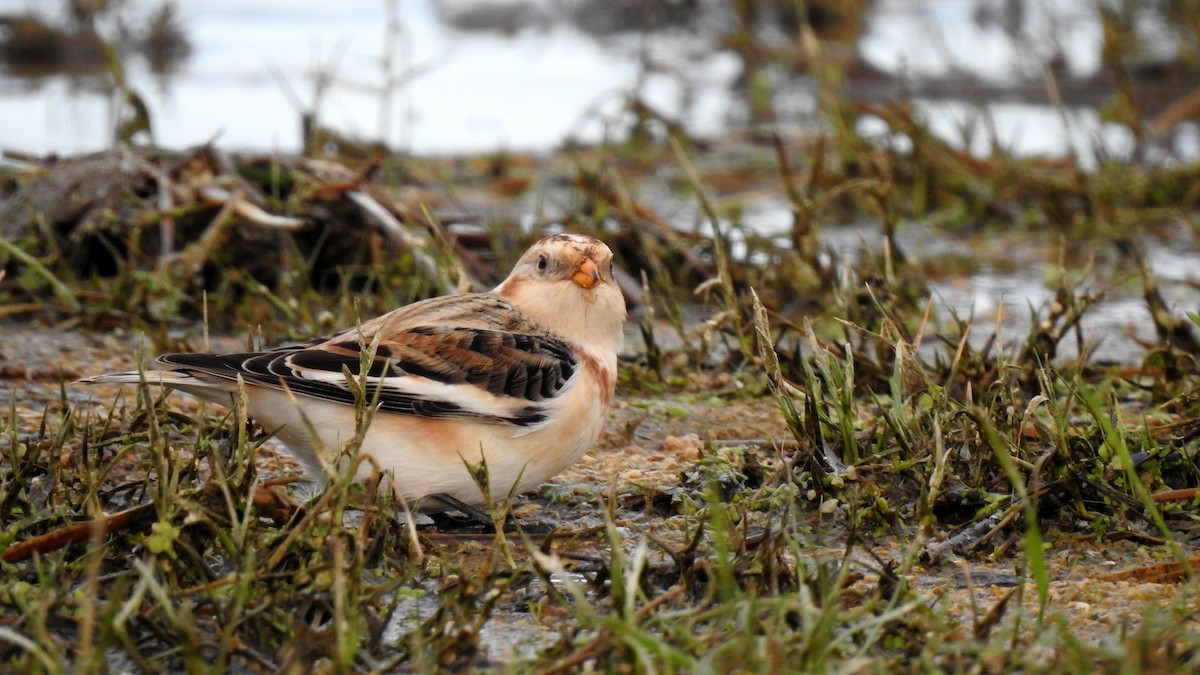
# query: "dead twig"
1159, 573
971, 536
248, 211
78, 532
265, 500
406, 240
1181, 495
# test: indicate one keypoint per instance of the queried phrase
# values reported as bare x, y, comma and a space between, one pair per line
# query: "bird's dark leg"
441, 502
451, 503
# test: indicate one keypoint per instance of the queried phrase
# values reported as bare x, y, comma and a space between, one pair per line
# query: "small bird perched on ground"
521, 377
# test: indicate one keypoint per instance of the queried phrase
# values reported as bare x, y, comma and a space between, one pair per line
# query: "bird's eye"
542, 262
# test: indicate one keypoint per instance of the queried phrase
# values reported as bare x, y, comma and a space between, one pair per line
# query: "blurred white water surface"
450, 76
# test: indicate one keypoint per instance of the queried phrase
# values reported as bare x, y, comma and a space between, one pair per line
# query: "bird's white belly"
426, 457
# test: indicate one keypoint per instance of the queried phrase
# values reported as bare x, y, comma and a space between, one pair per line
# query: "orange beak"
587, 274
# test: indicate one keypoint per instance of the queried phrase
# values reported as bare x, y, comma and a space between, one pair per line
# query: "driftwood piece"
417, 247
968, 538
199, 252
248, 211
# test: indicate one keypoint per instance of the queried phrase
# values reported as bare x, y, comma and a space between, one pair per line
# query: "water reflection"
38, 46
462, 75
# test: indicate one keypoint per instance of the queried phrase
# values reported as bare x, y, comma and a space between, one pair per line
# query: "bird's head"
566, 282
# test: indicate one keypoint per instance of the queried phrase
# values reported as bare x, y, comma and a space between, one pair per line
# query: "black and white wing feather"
464, 357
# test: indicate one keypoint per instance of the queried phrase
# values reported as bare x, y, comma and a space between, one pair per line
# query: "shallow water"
477, 77
462, 91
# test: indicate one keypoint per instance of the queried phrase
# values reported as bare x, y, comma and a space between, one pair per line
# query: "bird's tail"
197, 384
162, 378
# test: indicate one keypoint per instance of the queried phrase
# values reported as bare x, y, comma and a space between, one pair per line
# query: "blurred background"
1059, 77
1031, 149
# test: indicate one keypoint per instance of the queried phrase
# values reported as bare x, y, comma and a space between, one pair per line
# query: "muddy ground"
647, 447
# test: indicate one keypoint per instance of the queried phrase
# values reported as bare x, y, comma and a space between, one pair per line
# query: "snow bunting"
520, 377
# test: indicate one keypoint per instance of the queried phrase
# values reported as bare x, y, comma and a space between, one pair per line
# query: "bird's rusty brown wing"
468, 357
